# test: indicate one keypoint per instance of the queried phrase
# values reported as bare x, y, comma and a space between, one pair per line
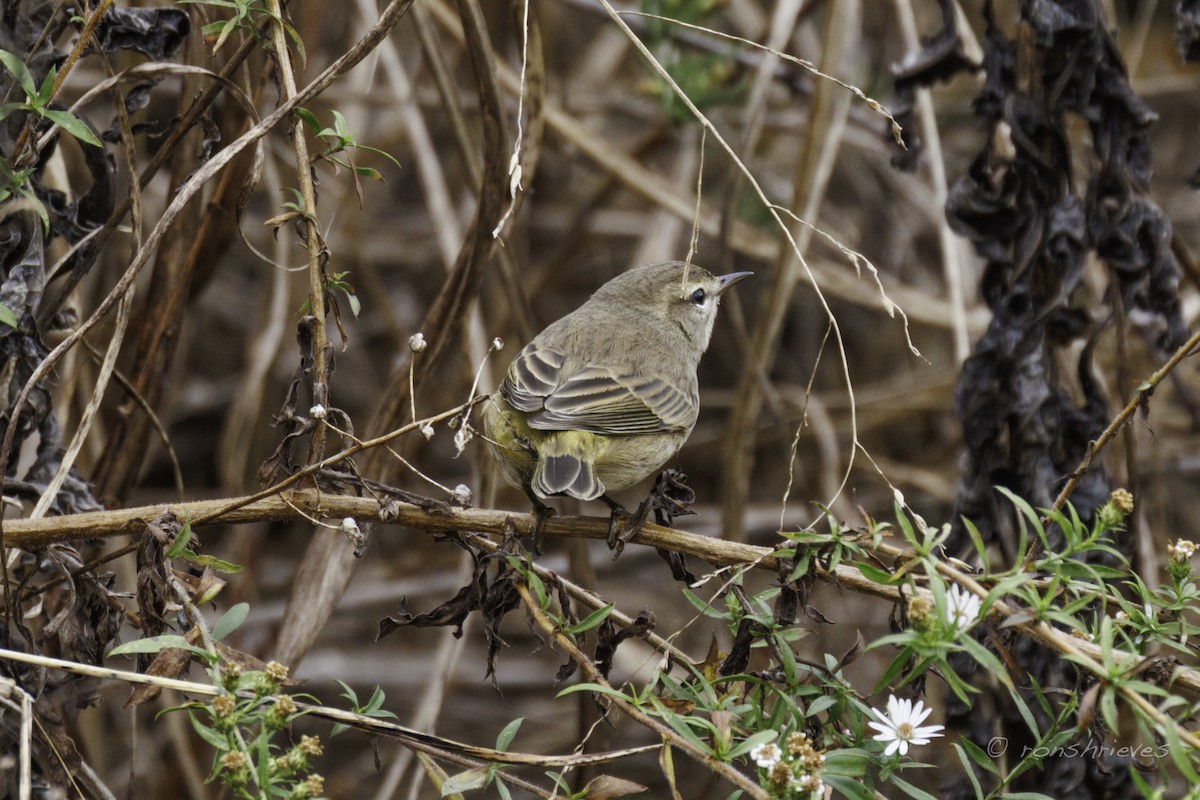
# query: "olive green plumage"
607, 395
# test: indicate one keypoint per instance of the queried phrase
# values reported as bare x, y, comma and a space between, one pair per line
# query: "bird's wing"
596, 399
532, 377
601, 400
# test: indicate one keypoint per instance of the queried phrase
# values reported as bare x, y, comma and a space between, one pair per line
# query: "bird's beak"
730, 280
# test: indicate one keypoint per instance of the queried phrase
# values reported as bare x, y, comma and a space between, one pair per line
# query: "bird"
608, 394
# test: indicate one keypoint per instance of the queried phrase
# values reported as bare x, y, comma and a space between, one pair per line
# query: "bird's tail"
566, 474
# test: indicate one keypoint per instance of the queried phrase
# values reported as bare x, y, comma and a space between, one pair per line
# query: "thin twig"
1140, 398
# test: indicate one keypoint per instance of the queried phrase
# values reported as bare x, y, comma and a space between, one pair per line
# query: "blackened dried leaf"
853, 653
940, 58
74, 220
1187, 29
89, 617
502, 597
75, 495
153, 32
452, 612
671, 496
611, 636
786, 606
679, 568
565, 672
154, 594
739, 652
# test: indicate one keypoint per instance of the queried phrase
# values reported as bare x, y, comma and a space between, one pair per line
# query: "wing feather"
602, 400
597, 399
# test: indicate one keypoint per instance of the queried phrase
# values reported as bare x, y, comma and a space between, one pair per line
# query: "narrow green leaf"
230, 621
751, 742
850, 788
19, 71
591, 620
156, 644
217, 564
962, 756
465, 781
308, 118
7, 317
910, 790
216, 740
181, 539
506, 736
874, 574
592, 687
986, 762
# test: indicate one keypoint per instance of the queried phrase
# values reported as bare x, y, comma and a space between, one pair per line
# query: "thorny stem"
314, 245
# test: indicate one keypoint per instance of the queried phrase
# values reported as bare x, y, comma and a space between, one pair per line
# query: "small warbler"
606, 395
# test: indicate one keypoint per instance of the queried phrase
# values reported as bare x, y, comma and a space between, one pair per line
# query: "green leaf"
962, 756
355, 303
216, 740
1178, 751
19, 71
592, 687
7, 316
820, 704
308, 118
230, 621
851, 762
986, 762
850, 788
215, 563
181, 540
910, 790
341, 126
874, 574
156, 644
751, 742
465, 781
506, 736
45, 90
72, 125
591, 620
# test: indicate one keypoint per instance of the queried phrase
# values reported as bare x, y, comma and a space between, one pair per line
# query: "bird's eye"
699, 296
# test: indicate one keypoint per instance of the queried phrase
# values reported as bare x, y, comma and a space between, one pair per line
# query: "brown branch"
313, 245
31, 534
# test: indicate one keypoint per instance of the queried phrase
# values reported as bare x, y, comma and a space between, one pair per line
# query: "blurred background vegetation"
613, 165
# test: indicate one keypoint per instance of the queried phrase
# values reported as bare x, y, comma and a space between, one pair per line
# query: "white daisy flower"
962, 607
766, 755
901, 725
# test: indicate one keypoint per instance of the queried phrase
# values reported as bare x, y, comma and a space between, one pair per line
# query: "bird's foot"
619, 535
614, 519
541, 513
